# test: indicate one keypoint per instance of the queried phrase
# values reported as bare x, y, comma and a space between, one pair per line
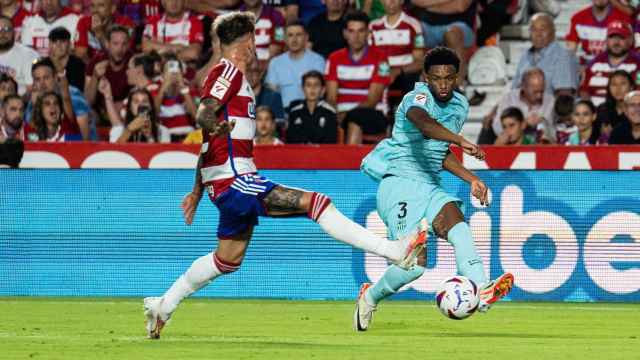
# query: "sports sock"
392, 280
341, 228
201, 272
468, 261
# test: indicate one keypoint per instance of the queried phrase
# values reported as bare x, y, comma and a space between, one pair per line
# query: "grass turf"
105, 328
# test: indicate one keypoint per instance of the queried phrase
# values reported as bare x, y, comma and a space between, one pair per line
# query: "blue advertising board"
566, 235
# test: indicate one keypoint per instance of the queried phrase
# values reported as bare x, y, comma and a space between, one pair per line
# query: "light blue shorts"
434, 34
403, 202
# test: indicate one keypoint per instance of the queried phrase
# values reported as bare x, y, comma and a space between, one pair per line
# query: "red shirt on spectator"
185, 31
598, 71
67, 128
173, 114
269, 30
226, 156
118, 79
590, 33
397, 41
354, 77
85, 38
18, 19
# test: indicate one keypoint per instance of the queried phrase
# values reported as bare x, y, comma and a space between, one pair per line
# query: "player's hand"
472, 149
222, 128
480, 191
189, 205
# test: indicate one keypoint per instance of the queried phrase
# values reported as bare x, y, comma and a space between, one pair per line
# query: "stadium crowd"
327, 71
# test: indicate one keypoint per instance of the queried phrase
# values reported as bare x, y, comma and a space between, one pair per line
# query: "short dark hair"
296, 23
4, 77
117, 28
441, 56
588, 104
148, 64
232, 26
11, 97
563, 106
267, 109
3, 17
313, 74
59, 33
356, 15
43, 62
512, 112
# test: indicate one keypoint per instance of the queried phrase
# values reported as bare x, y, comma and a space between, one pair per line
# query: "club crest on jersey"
421, 99
251, 109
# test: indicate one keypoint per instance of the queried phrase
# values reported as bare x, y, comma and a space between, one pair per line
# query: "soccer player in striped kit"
226, 170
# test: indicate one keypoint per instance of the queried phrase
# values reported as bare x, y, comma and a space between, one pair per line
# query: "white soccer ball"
457, 297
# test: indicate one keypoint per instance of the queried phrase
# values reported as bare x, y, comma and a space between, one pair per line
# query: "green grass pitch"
106, 328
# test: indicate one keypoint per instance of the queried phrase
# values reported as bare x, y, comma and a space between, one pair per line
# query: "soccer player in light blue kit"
410, 196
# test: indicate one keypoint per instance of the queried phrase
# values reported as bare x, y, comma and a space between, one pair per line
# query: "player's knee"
317, 205
225, 267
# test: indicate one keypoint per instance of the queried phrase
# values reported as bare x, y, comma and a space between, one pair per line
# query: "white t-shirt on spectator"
164, 137
17, 63
35, 30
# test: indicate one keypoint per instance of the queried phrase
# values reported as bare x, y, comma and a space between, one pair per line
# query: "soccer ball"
457, 297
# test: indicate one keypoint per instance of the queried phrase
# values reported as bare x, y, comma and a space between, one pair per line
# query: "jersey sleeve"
573, 32
382, 72
224, 82
330, 69
278, 28
423, 100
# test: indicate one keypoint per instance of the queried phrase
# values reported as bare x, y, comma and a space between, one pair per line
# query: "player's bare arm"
207, 118
283, 201
432, 129
191, 200
478, 188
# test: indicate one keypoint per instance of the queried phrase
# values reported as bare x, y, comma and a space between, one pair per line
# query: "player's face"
632, 109
118, 46
101, 8
513, 128
296, 38
246, 48
392, 6
582, 117
6, 34
442, 80
619, 86
541, 33
14, 113
356, 34
618, 45
265, 125
51, 110
43, 79
313, 89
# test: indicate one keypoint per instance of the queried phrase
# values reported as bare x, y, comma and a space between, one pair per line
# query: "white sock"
341, 228
201, 272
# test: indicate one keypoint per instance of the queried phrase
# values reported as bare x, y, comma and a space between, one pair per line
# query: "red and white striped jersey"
173, 114
354, 77
597, 74
35, 30
186, 31
226, 157
397, 41
269, 30
590, 33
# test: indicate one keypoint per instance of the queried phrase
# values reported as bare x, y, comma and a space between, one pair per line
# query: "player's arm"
478, 188
432, 129
191, 200
207, 118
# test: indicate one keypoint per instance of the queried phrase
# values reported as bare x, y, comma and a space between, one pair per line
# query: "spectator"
36, 29
13, 10
12, 119
326, 29
611, 111
514, 126
49, 122
493, 15
264, 95
449, 23
313, 121
373, 8
140, 123
174, 101
588, 29
288, 8
360, 82
617, 56
45, 79
534, 103
15, 58
265, 127
563, 110
584, 116
8, 86
63, 60
285, 70
628, 132
112, 65
560, 66
309, 9
140, 10
177, 31
399, 36
92, 29
141, 71
269, 30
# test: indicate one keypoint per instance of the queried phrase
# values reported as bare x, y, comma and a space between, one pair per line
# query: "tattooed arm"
207, 118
